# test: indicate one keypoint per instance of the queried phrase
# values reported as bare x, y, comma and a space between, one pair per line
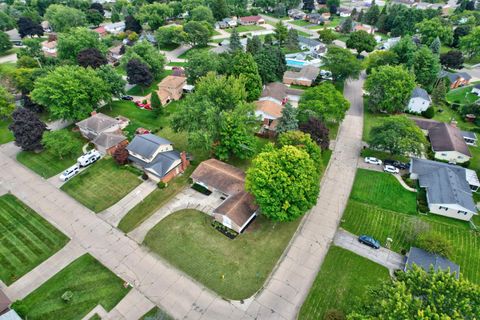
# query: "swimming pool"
295, 63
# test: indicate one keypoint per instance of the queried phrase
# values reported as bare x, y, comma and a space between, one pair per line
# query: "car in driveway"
369, 241
70, 172
373, 160
397, 164
391, 169
128, 98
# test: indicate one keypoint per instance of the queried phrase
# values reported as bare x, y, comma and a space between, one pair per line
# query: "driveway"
387, 258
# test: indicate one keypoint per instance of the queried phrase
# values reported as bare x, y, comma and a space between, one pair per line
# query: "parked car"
89, 158
397, 164
373, 160
141, 105
129, 98
369, 241
391, 169
70, 172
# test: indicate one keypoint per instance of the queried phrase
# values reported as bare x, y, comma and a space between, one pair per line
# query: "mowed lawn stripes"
26, 239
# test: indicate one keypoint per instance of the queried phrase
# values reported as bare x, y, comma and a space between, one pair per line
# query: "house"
419, 101
408, 3
315, 47
251, 20
238, 209
296, 14
156, 157
344, 12
315, 18
446, 140
104, 132
390, 43
476, 89
364, 27
456, 79
224, 46
102, 32
114, 53
470, 138
49, 48
305, 77
115, 28
170, 88
14, 37
280, 94
448, 187
148, 37
427, 260
269, 112
231, 23
46, 26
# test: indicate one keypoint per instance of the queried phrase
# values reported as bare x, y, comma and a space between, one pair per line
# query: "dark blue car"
369, 241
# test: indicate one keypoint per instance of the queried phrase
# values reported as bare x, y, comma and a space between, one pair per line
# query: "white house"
419, 101
115, 28
476, 89
449, 187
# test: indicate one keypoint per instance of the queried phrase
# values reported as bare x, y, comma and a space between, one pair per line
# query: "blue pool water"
295, 63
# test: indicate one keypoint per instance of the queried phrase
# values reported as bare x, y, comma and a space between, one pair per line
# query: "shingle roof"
308, 72
161, 164
469, 134
426, 260
420, 93
108, 139
269, 107
454, 76
239, 207
308, 42
279, 91
97, 122
172, 82
146, 144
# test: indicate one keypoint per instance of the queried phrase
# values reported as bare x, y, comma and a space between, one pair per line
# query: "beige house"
170, 88
305, 77
49, 48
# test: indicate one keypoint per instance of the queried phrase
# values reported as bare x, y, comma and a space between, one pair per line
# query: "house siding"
418, 105
447, 211
451, 156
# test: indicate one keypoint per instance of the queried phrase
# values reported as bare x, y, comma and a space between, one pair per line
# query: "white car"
373, 160
70, 172
391, 169
89, 158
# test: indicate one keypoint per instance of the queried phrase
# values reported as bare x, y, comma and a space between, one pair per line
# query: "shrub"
429, 113
334, 314
436, 243
161, 185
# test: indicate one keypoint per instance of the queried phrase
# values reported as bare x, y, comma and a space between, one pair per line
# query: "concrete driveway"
383, 256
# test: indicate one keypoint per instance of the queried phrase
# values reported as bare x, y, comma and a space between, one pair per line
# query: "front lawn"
462, 96
235, 269
140, 91
245, 28
5, 134
87, 279
26, 239
371, 120
382, 155
48, 164
341, 283
102, 185
186, 53
300, 23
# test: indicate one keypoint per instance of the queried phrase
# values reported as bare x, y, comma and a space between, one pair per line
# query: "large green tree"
389, 88
405, 51
470, 44
284, 182
361, 41
244, 66
289, 119
27, 128
170, 36
433, 28
5, 43
281, 32
154, 14
62, 18
271, 63
398, 135
323, 101
380, 58
200, 63
303, 141
70, 92
327, 35
6, 103
426, 66
147, 54
61, 143
71, 43
201, 13
342, 63
197, 33
113, 80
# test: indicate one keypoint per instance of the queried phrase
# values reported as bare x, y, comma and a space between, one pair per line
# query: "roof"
162, 163
425, 260
251, 18
172, 82
100, 30
455, 76
120, 24
477, 86
308, 72
443, 136
10, 315
4, 302
445, 183
14, 35
269, 107
469, 135
239, 207
108, 139
97, 122
146, 144
220, 175
308, 42
279, 91
116, 49
49, 44
420, 93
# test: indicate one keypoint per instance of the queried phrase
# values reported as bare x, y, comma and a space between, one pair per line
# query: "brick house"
457, 79
251, 20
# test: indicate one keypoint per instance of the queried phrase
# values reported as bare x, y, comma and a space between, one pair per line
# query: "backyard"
446, 114
26, 239
462, 96
341, 283
87, 279
102, 185
235, 269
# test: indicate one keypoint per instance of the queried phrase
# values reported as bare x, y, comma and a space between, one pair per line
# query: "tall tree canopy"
302, 141
342, 63
323, 101
28, 27
405, 50
113, 80
71, 43
91, 57
197, 33
244, 65
201, 13
148, 55
361, 41
132, 24
380, 58
5, 43
62, 18
271, 63
6, 103
288, 121
139, 73
318, 131
200, 63
433, 28
154, 14
452, 59
470, 44
426, 67
61, 143
27, 129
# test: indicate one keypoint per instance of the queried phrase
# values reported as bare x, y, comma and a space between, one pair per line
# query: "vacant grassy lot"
235, 269
341, 282
462, 95
89, 282
46, 163
5, 134
26, 239
102, 185
140, 91
382, 190
245, 28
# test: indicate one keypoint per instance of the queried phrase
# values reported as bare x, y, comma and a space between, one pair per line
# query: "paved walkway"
47, 269
383, 256
379, 168
11, 58
115, 213
173, 56
312, 33
132, 307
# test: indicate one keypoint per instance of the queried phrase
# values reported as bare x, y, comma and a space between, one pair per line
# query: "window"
444, 208
462, 212
444, 154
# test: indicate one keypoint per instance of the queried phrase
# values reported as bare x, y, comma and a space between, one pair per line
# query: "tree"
342, 63
61, 143
132, 24
98, 6
324, 102
327, 35
292, 39
398, 135
27, 27
91, 57
235, 43
27, 129
268, 39
347, 25
271, 63
284, 182
198, 33
201, 13
94, 17
6, 22
24, 78
302, 141
70, 44
435, 46
5, 43
361, 41
220, 9
147, 54
114, 81
318, 131
288, 120
200, 63
372, 15
458, 33
333, 3
70, 92
154, 14
244, 66
308, 5
405, 51
281, 32
6, 103
433, 28
31, 49
470, 44
170, 36
155, 100
380, 58
435, 243
121, 155
453, 59
439, 92
418, 294
62, 18
139, 73
426, 67
389, 88
254, 45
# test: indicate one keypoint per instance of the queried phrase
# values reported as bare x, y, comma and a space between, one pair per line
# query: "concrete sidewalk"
132, 307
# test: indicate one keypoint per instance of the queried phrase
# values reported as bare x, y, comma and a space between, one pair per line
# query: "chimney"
94, 112
453, 123
185, 162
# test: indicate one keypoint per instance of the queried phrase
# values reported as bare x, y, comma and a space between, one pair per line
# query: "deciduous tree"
27, 27
121, 156
271, 63
147, 54
327, 35
132, 24
94, 17
426, 67
452, 59
470, 44
114, 81
433, 28
435, 243
62, 18
154, 14
380, 58
324, 102
169, 36
5, 43
244, 66
198, 33
61, 143
70, 44
361, 41
318, 131
342, 63
27, 129
302, 141
91, 57
200, 63
6, 103
405, 51
139, 73
281, 32
201, 13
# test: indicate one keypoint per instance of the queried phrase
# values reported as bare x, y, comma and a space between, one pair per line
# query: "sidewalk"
132, 307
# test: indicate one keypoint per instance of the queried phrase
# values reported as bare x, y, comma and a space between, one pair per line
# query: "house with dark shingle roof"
280, 93
476, 89
419, 101
456, 79
449, 187
427, 260
156, 157
305, 77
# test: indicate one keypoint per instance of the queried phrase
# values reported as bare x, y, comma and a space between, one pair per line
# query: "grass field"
371, 120
341, 283
5, 134
475, 162
235, 269
46, 163
26, 239
245, 29
462, 95
101, 185
300, 23
139, 91
156, 314
89, 281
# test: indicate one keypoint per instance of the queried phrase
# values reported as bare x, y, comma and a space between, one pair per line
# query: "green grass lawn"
26, 239
140, 91
300, 23
101, 185
371, 120
447, 114
156, 314
341, 283
5, 134
462, 96
475, 161
46, 163
186, 53
245, 28
91, 284
235, 269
